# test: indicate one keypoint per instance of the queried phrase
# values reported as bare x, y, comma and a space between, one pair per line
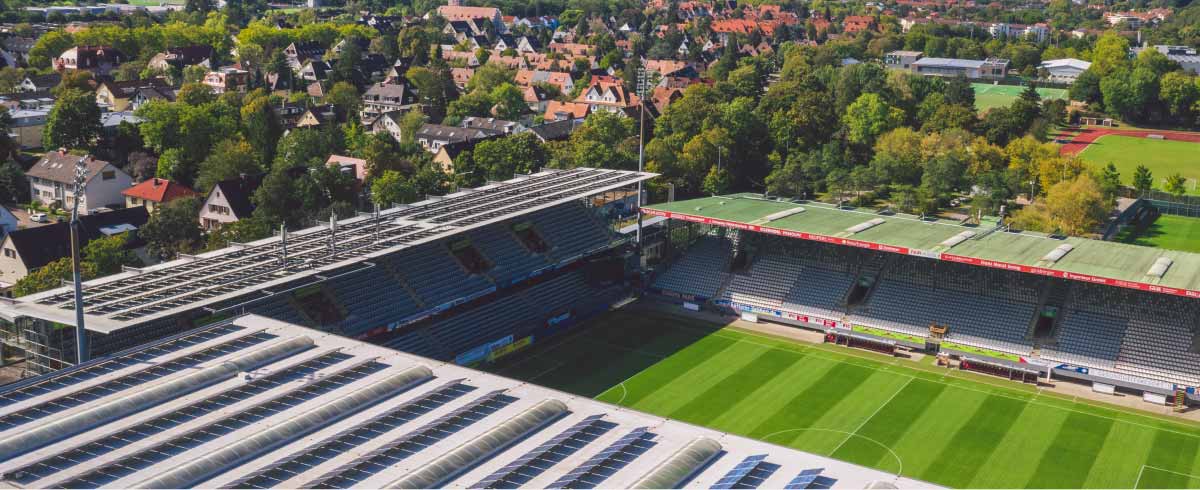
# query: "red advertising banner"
927, 254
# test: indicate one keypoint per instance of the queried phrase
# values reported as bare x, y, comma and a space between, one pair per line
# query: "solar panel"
70, 377
606, 462
397, 450
541, 458
804, 479
128, 381
306, 459
105, 475
75, 456
739, 472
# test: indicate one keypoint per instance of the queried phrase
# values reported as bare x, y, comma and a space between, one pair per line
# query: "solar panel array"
541, 458
70, 377
380, 459
804, 479
599, 467
259, 429
194, 282
130, 464
296, 464
129, 381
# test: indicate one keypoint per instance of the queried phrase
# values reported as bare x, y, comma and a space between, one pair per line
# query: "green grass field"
1162, 157
1168, 231
988, 96
947, 427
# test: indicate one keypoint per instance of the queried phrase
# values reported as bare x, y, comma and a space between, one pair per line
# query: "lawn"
988, 96
1162, 157
1168, 231
947, 427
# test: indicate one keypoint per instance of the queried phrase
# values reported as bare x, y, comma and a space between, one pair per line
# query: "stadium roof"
257, 403
140, 295
1080, 259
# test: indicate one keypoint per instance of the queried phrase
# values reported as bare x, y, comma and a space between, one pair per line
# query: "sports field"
988, 96
1162, 157
1168, 231
947, 427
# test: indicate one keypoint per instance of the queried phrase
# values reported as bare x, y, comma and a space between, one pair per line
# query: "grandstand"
258, 403
1100, 311
372, 275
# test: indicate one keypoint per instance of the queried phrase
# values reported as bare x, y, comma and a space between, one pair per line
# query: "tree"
14, 188
173, 229
1073, 207
393, 188
308, 147
1110, 54
868, 117
51, 276
960, 92
345, 97
1110, 181
74, 122
229, 159
1176, 184
1143, 180
261, 127
488, 77
717, 181
244, 230
509, 102
436, 89
1180, 93
48, 47
109, 254
501, 158
1086, 87
195, 94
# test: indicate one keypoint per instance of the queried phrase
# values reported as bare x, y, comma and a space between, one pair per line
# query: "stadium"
517, 335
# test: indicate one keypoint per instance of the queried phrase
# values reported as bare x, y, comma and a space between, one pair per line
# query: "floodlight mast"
82, 350
642, 85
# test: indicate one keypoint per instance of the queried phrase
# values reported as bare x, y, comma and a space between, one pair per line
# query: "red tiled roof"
158, 190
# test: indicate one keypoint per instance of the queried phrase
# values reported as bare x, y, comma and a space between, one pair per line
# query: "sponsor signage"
928, 254
799, 317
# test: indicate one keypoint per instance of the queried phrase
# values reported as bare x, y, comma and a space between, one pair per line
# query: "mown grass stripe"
869, 446
647, 382
1175, 453
959, 461
738, 385
696, 379
809, 405
1069, 459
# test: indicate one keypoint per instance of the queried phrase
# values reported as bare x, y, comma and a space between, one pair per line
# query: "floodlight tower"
83, 353
643, 83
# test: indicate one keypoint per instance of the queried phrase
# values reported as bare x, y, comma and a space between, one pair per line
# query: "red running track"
1088, 135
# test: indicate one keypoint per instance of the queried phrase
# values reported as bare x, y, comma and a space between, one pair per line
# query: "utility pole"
82, 351
642, 82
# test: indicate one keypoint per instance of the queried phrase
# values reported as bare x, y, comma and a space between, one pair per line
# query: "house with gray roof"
52, 180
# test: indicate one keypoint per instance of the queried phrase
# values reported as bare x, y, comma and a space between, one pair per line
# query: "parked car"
39, 218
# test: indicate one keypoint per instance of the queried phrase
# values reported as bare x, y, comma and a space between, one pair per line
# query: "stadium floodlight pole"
283, 243
641, 86
82, 351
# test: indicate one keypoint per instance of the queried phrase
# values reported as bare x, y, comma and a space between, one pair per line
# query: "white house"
229, 201
52, 180
1064, 70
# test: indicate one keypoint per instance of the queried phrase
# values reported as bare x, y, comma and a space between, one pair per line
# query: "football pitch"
988, 96
1162, 157
1169, 232
947, 427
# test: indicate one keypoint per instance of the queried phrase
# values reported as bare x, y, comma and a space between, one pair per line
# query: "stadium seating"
570, 229
372, 298
510, 259
702, 269
819, 291
1088, 339
435, 275
765, 284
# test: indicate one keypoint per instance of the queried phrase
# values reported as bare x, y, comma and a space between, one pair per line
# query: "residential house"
387, 97
27, 126
562, 80
182, 57
610, 97
1064, 70
454, 13
118, 96
41, 83
575, 50
536, 98
520, 44
320, 115
52, 182
1035, 32
433, 137
858, 23
29, 249
100, 60
461, 77
27, 100
354, 167
444, 158
19, 47
227, 79
315, 71
493, 126
229, 201
556, 130
566, 111
154, 192
142, 95
298, 54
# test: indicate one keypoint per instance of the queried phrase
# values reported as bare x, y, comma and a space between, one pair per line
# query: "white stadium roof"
141, 295
261, 403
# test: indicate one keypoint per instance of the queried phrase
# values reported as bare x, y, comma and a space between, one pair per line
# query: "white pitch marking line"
873, 414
